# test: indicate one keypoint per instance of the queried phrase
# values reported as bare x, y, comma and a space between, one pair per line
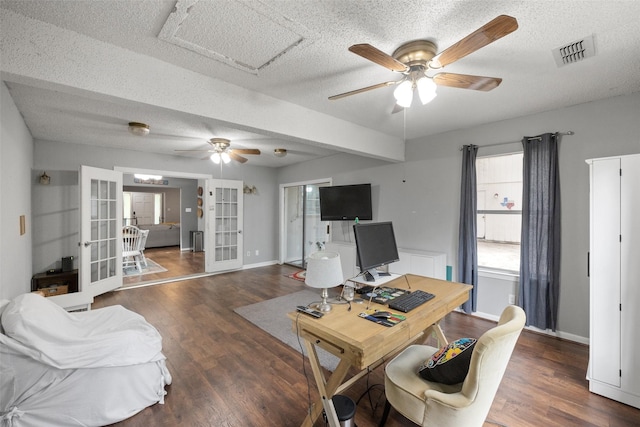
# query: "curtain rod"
570, 132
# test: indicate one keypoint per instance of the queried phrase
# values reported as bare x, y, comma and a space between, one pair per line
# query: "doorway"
167, 208
302, 231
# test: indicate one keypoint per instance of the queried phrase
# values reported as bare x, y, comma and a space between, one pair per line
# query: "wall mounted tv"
345, 202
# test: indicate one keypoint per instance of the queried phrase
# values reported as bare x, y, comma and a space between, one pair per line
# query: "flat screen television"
346, 202
375, 247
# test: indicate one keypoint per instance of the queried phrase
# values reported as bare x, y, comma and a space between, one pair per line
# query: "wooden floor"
227, 372
178, 263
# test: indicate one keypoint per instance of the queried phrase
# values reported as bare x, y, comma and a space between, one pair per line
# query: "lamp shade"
426, 90
324, 270
404, 94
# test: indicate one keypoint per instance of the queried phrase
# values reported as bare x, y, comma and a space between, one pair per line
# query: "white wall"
16, 157
55, 216
421, 196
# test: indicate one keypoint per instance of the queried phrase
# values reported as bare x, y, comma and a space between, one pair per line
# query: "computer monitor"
375, 247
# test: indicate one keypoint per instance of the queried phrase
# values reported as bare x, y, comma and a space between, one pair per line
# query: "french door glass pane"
226, 224
103, 223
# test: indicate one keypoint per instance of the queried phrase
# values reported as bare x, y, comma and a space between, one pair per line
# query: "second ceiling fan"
415, 58
222, 152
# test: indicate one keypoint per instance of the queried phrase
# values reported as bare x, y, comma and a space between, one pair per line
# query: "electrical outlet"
257, 252
512, 299
248, 253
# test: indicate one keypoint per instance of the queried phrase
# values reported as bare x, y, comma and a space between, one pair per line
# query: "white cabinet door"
614, 365
605, 271
422, 263
630, 273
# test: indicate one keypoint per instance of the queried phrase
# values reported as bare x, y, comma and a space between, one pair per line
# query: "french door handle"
87, 244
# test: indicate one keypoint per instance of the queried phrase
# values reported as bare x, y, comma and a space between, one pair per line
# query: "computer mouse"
382, 314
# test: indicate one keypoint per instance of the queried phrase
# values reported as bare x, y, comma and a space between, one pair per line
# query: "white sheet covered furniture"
89, 368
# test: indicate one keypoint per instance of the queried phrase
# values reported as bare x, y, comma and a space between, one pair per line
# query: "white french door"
223, 238
100, 230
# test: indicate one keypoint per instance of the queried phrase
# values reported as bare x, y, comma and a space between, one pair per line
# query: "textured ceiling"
281, 60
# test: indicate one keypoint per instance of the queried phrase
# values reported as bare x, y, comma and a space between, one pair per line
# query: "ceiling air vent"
574, 52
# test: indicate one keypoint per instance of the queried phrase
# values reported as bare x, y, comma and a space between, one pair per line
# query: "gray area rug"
271, 316
152, 267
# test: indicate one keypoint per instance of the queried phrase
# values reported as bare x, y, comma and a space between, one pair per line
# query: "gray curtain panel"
467, 245
540, 242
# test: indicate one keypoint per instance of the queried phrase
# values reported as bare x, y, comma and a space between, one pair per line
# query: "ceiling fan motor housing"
220, 144
416, 53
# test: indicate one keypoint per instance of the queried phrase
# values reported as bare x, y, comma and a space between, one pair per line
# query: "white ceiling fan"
222, 152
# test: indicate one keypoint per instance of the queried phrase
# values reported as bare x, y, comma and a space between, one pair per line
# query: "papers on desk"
382, 294
393, 319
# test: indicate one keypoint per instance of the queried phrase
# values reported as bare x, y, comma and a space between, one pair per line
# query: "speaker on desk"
67, 264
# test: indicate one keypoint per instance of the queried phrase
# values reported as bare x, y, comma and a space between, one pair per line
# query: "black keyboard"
408, 302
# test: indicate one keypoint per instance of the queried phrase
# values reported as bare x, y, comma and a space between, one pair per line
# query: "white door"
223, 237
100, 230
143, 208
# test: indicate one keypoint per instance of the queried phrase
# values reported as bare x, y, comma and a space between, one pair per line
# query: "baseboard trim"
558, 334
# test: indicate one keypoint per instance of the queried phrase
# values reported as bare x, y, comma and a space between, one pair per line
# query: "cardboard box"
53, 290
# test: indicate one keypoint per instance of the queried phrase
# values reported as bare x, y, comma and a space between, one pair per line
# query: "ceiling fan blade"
245, 151
465, 81
488, 33
379, 57
364, 89
237, 157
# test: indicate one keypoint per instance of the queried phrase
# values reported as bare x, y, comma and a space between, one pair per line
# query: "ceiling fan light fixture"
215, 158
139, 129
280, 152
426, 90
404, 94
225, 157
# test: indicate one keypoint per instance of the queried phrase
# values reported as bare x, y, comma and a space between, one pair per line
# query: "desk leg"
437, 330
325, 388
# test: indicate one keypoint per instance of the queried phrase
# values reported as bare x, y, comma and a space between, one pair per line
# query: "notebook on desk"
390, 320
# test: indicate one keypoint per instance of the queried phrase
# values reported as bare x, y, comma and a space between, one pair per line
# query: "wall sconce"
250, 190
45, 179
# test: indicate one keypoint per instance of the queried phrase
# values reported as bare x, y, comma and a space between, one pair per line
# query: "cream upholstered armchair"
466, 404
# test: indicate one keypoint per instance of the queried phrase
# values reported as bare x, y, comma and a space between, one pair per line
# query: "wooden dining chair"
131, 253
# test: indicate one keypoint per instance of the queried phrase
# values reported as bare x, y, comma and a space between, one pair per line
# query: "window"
499, 185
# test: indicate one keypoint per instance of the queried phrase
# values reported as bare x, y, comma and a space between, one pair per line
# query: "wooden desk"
363, 344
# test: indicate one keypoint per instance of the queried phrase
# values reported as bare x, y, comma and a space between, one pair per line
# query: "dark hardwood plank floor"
178, 263
227, 372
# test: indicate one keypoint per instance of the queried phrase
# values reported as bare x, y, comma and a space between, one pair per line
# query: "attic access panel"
245, 36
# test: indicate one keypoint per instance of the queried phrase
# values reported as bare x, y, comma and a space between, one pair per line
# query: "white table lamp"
324, 270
